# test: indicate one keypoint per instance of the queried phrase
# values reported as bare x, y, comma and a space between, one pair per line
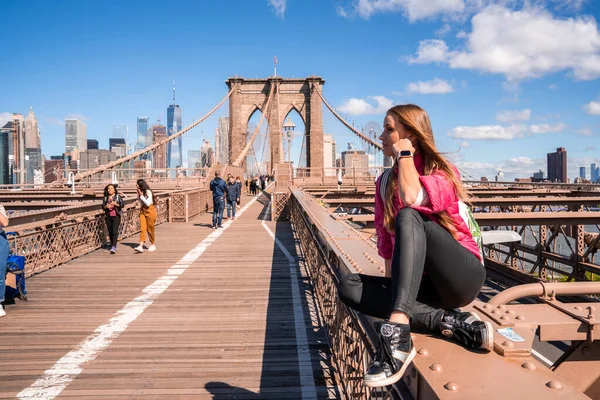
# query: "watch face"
405, 153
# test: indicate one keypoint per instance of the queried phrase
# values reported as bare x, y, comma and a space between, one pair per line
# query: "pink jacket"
441, 197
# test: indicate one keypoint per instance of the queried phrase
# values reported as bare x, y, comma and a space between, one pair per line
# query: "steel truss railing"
55, 241
348, 338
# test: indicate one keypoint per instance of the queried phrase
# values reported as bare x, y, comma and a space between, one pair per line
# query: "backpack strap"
385, 177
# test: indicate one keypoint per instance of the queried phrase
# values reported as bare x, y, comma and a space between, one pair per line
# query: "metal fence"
58, 242
348, 339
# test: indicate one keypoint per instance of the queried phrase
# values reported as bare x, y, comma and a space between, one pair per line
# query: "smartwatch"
405, 153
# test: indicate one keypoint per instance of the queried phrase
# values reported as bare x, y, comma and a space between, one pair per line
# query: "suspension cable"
152, 147
343, 121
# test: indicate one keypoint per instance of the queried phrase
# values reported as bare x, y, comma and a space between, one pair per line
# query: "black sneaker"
394, 354
468, 329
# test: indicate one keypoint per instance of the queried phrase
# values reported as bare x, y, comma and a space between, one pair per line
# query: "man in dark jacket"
218, 187
233, 194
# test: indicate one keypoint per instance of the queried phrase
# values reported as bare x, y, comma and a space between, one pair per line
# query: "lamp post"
71, 181
288, 128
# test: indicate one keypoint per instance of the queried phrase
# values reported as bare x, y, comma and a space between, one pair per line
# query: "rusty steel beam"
538, 218
360, 201
546, 289
40, 205
519, 219
432, 374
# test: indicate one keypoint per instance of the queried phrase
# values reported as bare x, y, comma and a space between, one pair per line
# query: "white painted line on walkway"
307, 379
65, 370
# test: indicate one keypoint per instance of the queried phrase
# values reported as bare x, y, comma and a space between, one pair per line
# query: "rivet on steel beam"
510, 312
585, 350
451, 386
495, 312
520, 317
486, 306
528, 365
436, 367
423, 352
504, 317
554, 385
502, 306
508, 344
577, 308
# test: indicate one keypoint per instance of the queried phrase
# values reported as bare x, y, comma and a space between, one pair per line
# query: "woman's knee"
406, 216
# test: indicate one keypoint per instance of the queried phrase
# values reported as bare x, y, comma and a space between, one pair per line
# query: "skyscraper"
594, 172
4, 166
193, 158
175, 147
329, 155
206, 155
355, 162
222, 141
75, 135
16, 146
142, 131
118, 146
92, 144
582, 172
32, 134
557, 166
159, 155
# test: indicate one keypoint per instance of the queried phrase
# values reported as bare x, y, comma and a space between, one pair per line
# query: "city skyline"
489, 112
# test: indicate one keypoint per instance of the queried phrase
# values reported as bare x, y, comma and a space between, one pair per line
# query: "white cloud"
574, 5
414, 10
547, 128
592, 108
443, 30
80, 117
278, 6
4, 118
498, 132
52, 120
436, 86
587, 131
529, 43
362, 107
488, 132
518, 167
342, 12
553, 86
511, 116
430, 51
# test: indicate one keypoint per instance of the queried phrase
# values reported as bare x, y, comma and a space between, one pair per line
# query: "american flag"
275, 59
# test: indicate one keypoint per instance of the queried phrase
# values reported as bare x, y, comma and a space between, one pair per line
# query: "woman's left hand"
403, 144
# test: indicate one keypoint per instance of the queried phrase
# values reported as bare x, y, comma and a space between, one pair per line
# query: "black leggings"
113, 223
431, 272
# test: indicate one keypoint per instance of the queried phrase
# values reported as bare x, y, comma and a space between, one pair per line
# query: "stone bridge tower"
289, 93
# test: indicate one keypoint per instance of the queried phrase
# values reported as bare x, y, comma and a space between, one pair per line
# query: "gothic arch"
289, 94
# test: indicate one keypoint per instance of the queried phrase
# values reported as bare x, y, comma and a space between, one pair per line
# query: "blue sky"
504, 82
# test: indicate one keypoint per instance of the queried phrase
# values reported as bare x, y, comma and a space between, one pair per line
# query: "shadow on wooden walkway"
212, 314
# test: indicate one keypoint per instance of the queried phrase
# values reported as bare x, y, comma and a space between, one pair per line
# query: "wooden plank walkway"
237, 321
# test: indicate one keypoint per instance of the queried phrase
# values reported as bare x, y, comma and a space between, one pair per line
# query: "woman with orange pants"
147, 215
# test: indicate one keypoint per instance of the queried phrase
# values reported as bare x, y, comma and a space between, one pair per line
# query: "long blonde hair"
416, 121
